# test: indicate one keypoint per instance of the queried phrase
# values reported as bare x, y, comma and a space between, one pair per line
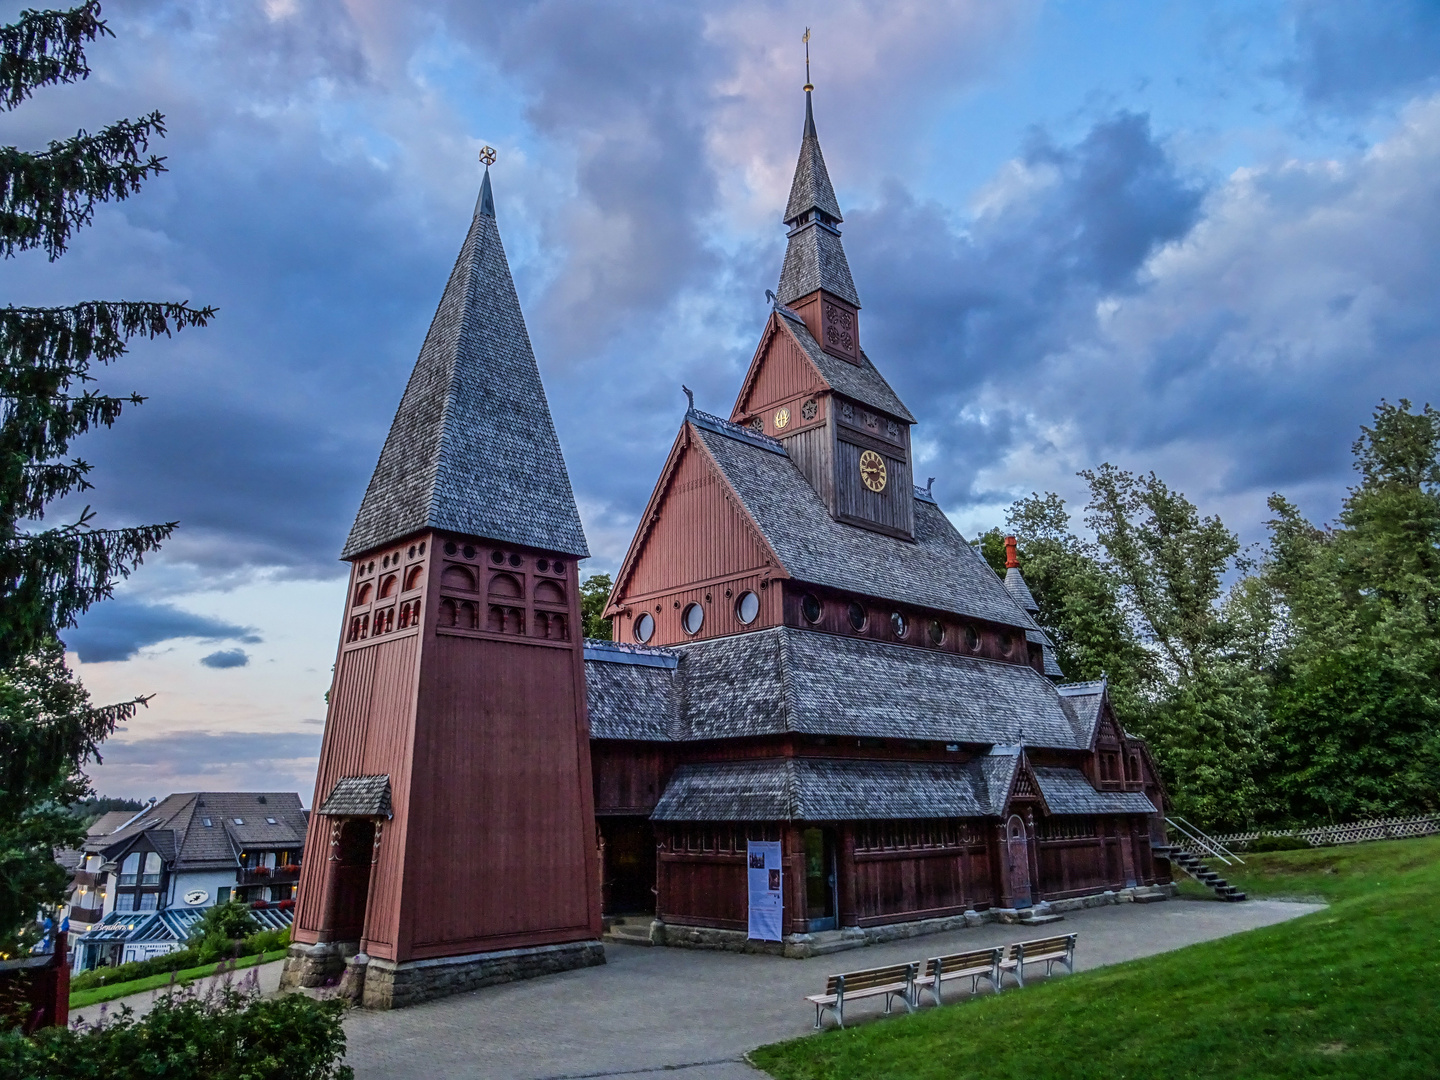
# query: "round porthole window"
937, 632
450, 547
810, 607
747, 607
469, 551
898, 624
972, 639
1007, 644
693, 618
858, 616
644, 628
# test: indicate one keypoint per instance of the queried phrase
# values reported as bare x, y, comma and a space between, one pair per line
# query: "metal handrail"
1207, 844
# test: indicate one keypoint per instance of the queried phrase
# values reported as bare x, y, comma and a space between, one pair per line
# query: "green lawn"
1352, 991
81, 998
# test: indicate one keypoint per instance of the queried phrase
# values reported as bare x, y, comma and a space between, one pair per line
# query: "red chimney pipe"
1012, 559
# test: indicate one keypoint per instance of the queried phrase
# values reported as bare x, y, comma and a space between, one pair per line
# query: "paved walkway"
140, 1003
691, 1014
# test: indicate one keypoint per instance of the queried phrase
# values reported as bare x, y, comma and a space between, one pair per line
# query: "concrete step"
628, 933
1041, 920
825, 942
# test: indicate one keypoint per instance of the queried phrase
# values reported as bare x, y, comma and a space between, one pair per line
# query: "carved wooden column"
849, 915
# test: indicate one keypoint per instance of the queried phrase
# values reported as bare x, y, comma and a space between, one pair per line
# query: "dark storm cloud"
226, 658
117, 629
951, 310
1349, 55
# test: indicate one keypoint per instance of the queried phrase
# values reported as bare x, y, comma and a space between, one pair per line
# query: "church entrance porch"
628, 861
822, 910
349, 885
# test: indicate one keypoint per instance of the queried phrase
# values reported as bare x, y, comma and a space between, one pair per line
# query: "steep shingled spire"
472, 448
814, 258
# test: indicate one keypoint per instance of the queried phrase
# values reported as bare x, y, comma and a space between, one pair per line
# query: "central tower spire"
815, 279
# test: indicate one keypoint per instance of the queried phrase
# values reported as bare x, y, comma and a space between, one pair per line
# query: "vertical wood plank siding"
894, 507
785, 374
813, 452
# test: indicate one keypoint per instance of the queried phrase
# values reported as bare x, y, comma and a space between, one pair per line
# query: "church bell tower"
452, 841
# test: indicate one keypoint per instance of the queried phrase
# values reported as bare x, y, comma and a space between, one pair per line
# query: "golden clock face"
782, 417
872, 470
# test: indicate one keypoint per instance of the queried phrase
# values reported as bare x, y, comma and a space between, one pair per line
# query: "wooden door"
350, 880
1017, 860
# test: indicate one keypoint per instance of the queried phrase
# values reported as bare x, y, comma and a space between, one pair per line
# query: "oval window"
644, 628
857, 614
972, 638
693, 617
898, 624
747, 607
1007, 644
810, 607
937, 632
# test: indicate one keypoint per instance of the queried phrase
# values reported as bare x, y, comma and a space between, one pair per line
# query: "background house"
143, 880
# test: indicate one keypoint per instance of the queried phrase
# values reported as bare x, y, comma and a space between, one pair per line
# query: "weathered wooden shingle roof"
820, 789
814, 256
1066, 791
788, 680
811, 188
358, 796
630, 690
472, 448
1015, 585
860, 382
937, 570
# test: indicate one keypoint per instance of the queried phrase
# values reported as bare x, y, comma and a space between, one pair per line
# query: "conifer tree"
49, 574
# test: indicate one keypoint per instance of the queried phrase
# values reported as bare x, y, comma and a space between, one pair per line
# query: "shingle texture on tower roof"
1015, 585
860, 382
811, 188
937, 570
815, 259
472, 448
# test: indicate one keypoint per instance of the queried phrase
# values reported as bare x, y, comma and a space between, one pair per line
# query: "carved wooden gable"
694, 530
783, 390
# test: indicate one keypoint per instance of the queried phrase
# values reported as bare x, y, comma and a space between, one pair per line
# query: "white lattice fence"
1353, 833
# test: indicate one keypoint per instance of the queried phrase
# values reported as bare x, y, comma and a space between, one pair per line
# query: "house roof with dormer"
200, 830
472, 448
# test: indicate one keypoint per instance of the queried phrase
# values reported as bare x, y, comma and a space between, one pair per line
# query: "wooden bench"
895, 981
976, 965
1051, 950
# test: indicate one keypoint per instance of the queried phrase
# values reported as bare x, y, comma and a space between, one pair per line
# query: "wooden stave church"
801, 657
471, 746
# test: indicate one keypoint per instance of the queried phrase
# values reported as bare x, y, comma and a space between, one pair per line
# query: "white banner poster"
766, 907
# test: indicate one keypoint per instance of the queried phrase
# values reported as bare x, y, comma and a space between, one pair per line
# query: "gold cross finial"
487, 156
806, 39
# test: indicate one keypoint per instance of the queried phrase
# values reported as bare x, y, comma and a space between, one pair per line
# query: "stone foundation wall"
315, 965
800, 946
391, 985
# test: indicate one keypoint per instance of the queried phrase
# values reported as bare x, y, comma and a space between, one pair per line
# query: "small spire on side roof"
1014, 581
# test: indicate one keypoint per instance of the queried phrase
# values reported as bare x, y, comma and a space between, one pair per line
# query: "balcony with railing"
268, 875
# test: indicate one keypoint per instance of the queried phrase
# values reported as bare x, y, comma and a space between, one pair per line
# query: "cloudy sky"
1199, 237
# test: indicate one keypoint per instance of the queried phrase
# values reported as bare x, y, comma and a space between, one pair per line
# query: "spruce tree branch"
44, 48
45, 197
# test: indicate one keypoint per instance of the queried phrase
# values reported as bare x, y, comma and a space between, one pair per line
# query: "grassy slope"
1347, 992
81, 998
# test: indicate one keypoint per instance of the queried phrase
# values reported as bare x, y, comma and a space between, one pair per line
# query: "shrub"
204, 951
1277, 842
227, 1034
